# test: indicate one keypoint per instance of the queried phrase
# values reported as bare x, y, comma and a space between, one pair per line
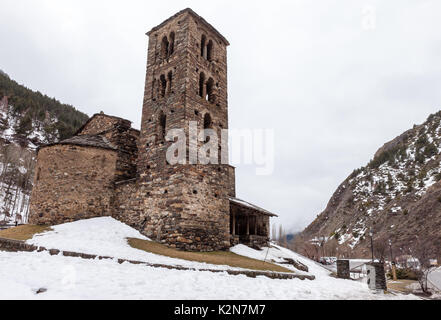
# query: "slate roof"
86, 141
251, 206
102, 115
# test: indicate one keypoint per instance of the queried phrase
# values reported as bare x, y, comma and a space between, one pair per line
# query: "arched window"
163, 81
201, 84
207, 121
207, 125
164, 48
203, 46
172, 43
210, 50
170, 81
209, 93
162, 126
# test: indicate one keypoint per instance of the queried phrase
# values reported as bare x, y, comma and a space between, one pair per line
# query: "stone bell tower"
186, 205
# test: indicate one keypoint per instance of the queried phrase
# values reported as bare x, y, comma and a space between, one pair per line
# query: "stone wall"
72, 183
343, 269
119, 133
184, 211
376, 276
184, 206
126, 141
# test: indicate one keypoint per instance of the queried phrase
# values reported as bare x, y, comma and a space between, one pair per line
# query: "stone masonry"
108, 168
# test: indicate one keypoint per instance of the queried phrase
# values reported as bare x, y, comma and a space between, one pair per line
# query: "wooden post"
255, 225
394, 272
234, 223
248, 224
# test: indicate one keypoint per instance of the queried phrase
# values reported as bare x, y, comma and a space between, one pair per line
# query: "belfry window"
162, 126
207, 121
209, 93
172, 44
164, 48
207, 48
201, 84
210, 50
203, 46
163, 81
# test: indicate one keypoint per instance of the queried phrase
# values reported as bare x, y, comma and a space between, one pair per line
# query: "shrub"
404, 274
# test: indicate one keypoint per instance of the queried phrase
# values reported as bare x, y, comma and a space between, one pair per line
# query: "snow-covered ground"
23, 274
435, 279
106, 237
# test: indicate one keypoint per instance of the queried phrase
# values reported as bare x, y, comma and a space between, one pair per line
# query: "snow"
388, 184
434, 278
15, 193
106, 236
22, 274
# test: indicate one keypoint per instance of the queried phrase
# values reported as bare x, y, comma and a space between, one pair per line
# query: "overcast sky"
335, 79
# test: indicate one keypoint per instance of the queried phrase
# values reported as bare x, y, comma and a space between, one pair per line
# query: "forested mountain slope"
398, 195
27, 119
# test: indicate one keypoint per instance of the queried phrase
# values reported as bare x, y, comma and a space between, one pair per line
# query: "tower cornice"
197, 17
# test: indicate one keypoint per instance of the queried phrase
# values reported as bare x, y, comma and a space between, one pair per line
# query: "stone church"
110, 169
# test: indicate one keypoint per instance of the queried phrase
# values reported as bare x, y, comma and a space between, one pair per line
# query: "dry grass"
24, 232
218, 257
401, 285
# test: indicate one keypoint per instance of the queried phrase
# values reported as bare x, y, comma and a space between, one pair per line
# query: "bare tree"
423, 250
380, 249
331, 247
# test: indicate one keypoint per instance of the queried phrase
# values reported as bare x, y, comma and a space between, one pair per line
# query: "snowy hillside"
28, 119
23, 274
17, 155
398, 193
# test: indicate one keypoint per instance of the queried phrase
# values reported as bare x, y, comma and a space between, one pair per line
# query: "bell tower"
185, 205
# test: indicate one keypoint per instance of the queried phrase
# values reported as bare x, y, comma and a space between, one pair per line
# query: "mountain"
398, 195
28, 119
37, 112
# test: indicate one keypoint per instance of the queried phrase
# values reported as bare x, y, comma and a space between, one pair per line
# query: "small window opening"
164, 48
163, 85
210, 50
162, 126
172, 43
207, 125
203, 46
207, 121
